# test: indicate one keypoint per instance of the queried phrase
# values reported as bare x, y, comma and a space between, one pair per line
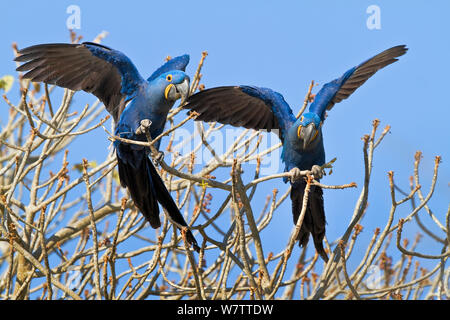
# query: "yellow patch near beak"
166, 92
315, 135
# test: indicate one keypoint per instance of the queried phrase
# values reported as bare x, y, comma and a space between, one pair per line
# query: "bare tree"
65, 233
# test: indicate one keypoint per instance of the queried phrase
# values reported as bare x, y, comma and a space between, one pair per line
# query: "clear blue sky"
284, 45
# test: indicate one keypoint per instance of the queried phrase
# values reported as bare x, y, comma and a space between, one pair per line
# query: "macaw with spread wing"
303, 148
130, 99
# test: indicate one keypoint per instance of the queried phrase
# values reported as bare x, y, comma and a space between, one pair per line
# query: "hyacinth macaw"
112, 77
303, 149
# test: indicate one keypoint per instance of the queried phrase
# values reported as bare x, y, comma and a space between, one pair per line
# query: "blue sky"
284, 45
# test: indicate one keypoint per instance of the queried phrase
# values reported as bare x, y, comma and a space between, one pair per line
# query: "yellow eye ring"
169, 77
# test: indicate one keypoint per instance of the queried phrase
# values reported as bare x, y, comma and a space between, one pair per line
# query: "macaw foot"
317, 172
144, 127
158, 157
295, 174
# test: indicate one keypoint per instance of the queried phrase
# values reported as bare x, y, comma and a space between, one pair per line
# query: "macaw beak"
308, 134
174, 92
184, 88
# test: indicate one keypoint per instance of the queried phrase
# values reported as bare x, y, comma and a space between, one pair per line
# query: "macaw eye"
169, 77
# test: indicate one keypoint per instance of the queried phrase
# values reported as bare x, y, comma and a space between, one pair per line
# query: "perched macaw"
130, 99
303, 149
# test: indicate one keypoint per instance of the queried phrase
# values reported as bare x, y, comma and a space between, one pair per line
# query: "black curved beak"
308, 134
177, 91
183, 89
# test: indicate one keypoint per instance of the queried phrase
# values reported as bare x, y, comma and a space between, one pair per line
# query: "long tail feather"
147, 189
139, 182
314, 220
166, 200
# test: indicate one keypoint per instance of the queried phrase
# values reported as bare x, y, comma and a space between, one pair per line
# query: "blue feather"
327, 92
277, 104
177, 63
131, 79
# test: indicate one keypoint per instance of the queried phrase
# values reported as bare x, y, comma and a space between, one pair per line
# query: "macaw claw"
157, 158
144, 126
317, 172
295, 174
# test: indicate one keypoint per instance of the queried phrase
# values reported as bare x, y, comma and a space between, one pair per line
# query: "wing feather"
94, 68
244, 106
341, 88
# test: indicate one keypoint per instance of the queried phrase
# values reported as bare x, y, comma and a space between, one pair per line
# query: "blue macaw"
136, 105
303, 149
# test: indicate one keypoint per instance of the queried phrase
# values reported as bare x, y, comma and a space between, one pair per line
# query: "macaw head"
175, 85
308, 128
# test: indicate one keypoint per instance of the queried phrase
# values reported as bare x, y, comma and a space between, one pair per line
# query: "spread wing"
340, 89
243, 106
94, 68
